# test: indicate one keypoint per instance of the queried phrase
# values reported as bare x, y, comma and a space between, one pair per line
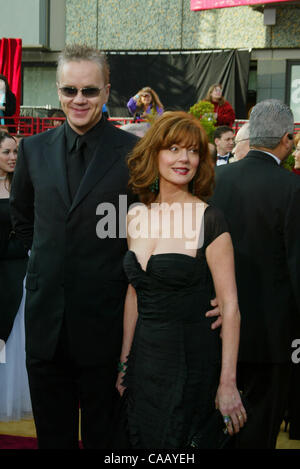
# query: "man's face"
241, 149
242, 145
289, 146
82, 112
225, 143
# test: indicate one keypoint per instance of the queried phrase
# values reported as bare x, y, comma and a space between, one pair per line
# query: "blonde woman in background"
145, 103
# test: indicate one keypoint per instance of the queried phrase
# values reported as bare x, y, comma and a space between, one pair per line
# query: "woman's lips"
182, 171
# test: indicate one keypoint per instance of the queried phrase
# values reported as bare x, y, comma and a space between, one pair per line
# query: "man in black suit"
261, 202
224, 142
65, 182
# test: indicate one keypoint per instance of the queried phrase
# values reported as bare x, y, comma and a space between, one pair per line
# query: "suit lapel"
105, 156
56, 159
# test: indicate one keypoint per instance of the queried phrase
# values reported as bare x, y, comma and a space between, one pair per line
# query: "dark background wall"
180, 79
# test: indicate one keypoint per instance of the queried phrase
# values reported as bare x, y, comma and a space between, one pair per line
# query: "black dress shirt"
80, 150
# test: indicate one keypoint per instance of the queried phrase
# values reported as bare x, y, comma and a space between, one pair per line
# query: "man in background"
261, 201
224, 142
242, 143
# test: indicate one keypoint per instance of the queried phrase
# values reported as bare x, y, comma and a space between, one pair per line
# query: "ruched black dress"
15, 401
13, 263
174, 363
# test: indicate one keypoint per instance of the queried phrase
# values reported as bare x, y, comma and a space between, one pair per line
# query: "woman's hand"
119, 382
229, 403
215, 313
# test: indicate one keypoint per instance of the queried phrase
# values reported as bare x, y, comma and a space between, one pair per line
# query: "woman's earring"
154, 187
193, 187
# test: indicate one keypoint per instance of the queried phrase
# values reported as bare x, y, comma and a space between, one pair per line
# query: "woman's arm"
220, 259
129, 322
22, 200
131, 105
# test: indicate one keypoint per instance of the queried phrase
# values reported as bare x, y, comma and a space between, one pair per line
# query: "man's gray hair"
78, 52
269, 121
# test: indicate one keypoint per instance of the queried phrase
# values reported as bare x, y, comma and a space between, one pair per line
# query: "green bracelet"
122, 367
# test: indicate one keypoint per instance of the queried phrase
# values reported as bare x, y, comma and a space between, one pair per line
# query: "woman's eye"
173, 148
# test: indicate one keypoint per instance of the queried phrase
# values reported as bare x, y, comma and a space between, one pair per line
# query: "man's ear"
287, 139
58, 90
107, 91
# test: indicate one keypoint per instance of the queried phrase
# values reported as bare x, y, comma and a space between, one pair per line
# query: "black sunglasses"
71, 91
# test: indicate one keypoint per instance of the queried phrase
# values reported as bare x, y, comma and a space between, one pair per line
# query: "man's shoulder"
227, 168
43, 136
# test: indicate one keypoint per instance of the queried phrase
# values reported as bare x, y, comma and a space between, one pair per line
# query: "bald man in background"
242, 143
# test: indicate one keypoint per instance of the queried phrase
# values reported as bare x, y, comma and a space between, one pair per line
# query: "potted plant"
204, 111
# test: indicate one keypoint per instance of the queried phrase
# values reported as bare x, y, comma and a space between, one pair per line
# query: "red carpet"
17, 442
20, 442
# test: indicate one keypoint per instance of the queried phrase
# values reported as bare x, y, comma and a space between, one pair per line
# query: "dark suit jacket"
261, 202
72, 273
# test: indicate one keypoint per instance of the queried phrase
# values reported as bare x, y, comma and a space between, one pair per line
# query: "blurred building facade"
271, 32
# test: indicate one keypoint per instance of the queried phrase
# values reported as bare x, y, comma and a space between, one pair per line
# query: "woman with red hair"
175, 373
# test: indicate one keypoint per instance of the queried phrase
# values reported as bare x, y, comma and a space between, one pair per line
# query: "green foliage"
289, 162
204, 111
201, 108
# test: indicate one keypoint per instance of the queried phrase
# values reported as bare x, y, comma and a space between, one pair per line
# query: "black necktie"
76, 167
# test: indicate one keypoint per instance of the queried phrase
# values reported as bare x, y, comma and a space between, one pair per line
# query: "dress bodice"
173, 283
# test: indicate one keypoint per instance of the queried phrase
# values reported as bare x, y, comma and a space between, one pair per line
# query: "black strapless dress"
13, 264
174, 363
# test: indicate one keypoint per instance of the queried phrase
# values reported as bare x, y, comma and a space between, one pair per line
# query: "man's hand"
214, 312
